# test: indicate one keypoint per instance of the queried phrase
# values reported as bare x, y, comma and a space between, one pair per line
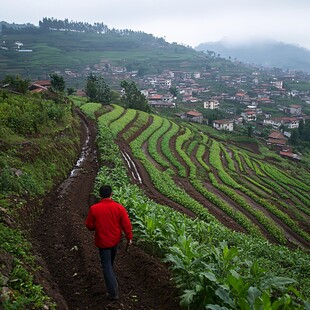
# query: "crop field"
217, 180
236, 211
233, 226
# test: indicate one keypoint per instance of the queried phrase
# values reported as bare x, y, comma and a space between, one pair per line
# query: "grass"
28, 169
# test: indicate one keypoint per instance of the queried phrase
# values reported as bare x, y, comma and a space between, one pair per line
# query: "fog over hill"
267, 53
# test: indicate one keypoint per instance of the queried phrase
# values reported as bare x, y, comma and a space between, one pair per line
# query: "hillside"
44, 51
265, 53
217, 209
225, 187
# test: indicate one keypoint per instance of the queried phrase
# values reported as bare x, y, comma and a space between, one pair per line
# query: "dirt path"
71, 271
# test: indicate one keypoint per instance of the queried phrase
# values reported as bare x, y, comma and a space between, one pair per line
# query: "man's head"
105, 191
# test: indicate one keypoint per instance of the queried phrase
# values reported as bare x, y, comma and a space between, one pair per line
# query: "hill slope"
265, 53
45, 51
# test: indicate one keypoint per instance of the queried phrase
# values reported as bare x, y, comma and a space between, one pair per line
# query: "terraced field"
188, 170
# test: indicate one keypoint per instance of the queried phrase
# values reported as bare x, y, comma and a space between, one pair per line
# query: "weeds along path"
71, 271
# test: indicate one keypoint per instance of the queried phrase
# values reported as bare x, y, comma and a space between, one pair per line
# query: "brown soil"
71, 272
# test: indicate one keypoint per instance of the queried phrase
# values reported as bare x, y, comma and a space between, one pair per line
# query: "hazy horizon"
184, 22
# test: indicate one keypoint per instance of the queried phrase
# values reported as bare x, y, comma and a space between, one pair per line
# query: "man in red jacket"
108, 219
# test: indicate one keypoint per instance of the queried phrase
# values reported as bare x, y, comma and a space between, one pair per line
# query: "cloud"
188, 22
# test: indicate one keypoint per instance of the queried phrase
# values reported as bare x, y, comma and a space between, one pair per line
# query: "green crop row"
254, 187
90, 108
153, 141
178, 146
271, 227
296, 209
238, 160
140, 121
278, 213
199, 156
215, 155
248, 161
282, 177
270, 207
230, 162
235, 214
301, 197
145, 135
120, 123
191, 147
274, 187
264, 188
165, 148
113, 114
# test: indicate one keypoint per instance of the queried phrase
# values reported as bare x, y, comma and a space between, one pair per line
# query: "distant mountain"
264, 53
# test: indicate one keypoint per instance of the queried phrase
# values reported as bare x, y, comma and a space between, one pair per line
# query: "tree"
16, 83
70, 91
282, 128
133, 98
58, 83
97, 90
173, 91
250, 131
306, 131
294, 137
301, 127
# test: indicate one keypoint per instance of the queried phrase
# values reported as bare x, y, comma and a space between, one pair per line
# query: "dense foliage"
133, 98
97, 89
38, 145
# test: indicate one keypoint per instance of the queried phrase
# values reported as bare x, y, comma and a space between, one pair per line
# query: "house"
276, 139
224, 124
162, 104
287, 152
242, 96
189, 99
264, 100
211, 104
40, 86
155, 97
249, 116
277, 84
45, 83
193, 116
167, 97
294, 109
276, 122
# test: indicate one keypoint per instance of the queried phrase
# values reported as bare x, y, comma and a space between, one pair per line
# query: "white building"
211, 104
224, 124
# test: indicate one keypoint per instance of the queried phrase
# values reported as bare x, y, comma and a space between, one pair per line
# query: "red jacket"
108, 219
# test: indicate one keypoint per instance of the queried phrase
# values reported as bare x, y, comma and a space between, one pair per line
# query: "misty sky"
188, 22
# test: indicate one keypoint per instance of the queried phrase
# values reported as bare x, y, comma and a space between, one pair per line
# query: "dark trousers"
107, 257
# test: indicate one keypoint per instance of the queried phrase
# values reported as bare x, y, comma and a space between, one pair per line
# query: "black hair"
105, 191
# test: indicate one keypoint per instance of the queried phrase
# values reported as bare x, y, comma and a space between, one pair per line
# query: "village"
257, 98
251, 96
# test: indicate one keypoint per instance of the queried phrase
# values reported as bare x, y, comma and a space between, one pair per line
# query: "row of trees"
101, 28
57, 24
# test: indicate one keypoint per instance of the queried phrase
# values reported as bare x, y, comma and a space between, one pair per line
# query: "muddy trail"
71, 272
